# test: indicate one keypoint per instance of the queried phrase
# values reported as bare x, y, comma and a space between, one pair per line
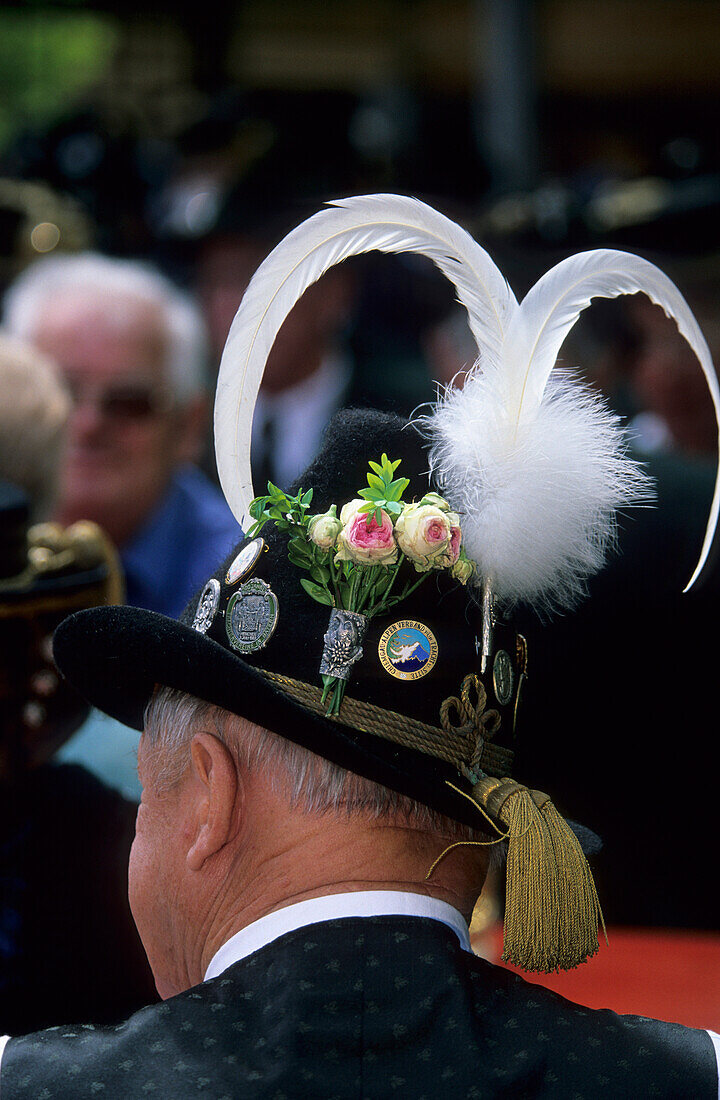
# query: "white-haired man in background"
132, 350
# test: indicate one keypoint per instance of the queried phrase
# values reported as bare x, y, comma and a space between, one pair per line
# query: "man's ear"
214, 772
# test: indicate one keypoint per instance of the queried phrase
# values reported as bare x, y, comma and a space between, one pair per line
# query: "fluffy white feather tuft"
537, 503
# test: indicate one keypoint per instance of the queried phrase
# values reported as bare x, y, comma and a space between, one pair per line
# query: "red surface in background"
670, 975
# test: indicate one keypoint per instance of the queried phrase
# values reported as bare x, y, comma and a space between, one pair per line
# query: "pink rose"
450, 555
453, 550
363, 539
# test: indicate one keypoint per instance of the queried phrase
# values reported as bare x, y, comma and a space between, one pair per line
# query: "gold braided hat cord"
461, 745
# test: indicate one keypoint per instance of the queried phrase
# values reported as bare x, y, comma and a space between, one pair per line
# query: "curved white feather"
385, 223
553, 305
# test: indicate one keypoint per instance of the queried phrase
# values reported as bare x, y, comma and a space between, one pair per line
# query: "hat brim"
115, 657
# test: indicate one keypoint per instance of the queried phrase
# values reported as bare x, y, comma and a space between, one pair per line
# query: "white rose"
463, 570
423, 533
437, 500
324, 529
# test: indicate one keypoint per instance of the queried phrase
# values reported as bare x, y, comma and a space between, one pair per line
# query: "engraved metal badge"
245, 561
343, 643
408, 650
503, 678
251, 616
207, 606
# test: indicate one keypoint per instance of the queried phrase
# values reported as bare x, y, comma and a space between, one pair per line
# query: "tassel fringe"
551, 904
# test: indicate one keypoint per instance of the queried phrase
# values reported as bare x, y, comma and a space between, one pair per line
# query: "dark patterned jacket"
365, 1008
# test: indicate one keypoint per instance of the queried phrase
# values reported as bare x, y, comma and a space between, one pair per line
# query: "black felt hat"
116, 655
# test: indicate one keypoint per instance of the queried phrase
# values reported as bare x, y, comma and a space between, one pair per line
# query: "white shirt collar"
363, 903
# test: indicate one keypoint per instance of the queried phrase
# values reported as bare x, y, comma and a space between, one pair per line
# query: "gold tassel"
551, 905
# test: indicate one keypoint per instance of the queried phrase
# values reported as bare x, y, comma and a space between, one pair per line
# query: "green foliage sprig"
383, 493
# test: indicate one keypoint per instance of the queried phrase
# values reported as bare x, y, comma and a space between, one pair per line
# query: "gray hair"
34, 412
310, 783
104, 275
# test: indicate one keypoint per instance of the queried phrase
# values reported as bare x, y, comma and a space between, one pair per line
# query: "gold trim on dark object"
521, 653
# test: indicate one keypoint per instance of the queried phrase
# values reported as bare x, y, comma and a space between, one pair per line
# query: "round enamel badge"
245, 561
408, 650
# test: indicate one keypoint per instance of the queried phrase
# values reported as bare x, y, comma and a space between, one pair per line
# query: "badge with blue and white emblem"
251, 616
408, 650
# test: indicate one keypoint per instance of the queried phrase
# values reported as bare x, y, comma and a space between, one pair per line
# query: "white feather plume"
536, 464
386, 223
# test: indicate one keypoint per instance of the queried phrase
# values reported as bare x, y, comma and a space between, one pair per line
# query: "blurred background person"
674, 413
250, 172
131, 349
35, 408
68, 947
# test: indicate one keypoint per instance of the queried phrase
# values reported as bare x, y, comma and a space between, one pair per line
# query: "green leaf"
393, 507
376, 482
376, 467
321, 595
396, 488
300, 546
307, 498
320, 574
367, 494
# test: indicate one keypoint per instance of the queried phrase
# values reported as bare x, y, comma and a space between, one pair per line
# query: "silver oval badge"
251, 616
245, 561
207, 606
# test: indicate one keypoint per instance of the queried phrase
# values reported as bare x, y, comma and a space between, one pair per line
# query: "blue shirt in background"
180, 546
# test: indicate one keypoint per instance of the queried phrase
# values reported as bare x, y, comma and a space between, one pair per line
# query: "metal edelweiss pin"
245, 562
251, 616
408, 650
207, 606
343, 643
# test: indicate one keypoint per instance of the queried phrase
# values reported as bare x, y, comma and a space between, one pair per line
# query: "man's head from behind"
237, 821
131, 348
